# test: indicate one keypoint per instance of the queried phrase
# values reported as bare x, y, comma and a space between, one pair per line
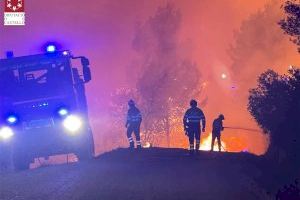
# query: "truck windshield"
35, 82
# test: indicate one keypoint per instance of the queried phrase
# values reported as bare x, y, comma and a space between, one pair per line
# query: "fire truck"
43, 106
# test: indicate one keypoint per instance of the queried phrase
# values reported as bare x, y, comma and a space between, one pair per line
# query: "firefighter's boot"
131, 143
197, 150
138, 145
191, 151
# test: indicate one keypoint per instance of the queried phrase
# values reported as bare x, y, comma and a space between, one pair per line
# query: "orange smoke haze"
231, 41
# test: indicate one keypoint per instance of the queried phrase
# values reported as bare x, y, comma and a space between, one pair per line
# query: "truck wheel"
21, 163
86, 150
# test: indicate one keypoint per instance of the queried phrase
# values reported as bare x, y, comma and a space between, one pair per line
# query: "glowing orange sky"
103, 31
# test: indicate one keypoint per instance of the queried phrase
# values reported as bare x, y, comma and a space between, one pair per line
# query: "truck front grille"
39, 123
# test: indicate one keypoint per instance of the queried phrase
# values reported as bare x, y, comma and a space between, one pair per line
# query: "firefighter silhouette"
216, 132
133, 123
191, 121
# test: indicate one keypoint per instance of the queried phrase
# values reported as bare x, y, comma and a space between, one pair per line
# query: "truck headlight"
6, 133
72, 123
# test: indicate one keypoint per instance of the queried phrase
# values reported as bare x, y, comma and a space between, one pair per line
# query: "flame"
206, 144
147, 145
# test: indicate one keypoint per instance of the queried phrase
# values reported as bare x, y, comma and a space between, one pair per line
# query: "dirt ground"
136, 175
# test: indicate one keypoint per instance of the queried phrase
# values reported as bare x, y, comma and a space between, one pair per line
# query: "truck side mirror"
87, 75
85, 61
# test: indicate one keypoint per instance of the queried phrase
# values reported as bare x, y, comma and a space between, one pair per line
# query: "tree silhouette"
275, 105
289, 192
291, 23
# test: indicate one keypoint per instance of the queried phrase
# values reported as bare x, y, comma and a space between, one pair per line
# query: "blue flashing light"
12, 119
51, 48
65, 53
63, 112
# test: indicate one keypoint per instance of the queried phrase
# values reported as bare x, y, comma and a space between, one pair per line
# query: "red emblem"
14, 5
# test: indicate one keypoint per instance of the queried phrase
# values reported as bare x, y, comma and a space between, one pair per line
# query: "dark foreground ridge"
148, 174
173, 155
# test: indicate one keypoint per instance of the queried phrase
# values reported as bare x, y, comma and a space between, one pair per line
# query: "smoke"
165, 74
259, 45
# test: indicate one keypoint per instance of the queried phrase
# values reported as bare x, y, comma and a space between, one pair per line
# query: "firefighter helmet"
131, 102
221, 116
193, 103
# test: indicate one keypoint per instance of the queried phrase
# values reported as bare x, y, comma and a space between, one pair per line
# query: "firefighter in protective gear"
133, 123
192, 127
216, 132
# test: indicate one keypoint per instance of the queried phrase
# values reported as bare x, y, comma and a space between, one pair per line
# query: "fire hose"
241, 128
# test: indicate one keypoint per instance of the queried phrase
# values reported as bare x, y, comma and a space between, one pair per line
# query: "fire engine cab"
43, 106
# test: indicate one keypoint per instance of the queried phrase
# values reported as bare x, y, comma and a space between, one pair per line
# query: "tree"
291, 23
168, 80
275, 105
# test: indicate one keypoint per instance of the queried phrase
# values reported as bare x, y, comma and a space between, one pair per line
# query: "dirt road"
149, 174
